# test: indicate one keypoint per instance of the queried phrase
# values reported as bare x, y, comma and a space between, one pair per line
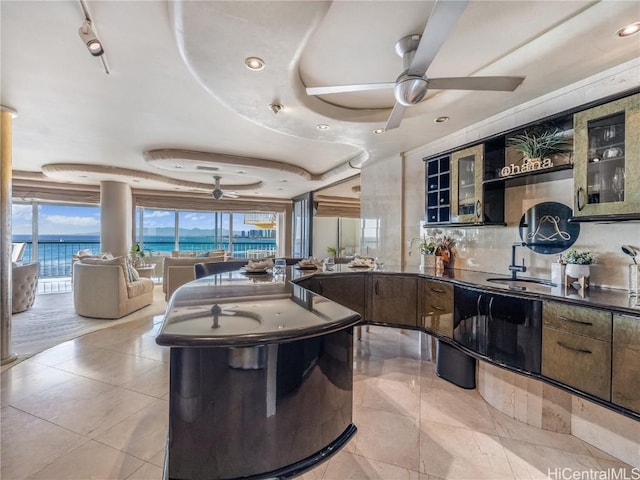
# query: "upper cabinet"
466, 185
607, 161
438, 186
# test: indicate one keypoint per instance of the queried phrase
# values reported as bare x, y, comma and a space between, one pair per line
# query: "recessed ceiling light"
629, 29
135, 181
323, 126
178, 166
83, 176
254, 63
283, 180
280, 188
379, 131
441, 120
240, 171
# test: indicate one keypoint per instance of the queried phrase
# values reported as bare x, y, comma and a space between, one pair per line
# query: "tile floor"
96, 407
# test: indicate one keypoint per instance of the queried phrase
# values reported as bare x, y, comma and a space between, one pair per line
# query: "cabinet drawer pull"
437, 290
438, 308
580, 322
579, 198
569, 347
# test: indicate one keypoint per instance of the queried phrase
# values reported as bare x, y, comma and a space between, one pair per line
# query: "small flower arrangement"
137, 253
577, 257
426, 245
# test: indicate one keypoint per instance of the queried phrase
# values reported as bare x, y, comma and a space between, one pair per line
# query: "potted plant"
578, 263
427, 247
538, 146
137, 253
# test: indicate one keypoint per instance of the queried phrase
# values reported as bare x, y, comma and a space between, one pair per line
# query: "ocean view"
55, 251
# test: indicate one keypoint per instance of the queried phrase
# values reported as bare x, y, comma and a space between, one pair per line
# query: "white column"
115, 217
7, 116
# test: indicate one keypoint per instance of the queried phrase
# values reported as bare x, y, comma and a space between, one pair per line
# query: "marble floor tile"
461, 408
96, 407
387, 437
105, 463
147, 471
458, 453
29, 443
347, 466
141, 434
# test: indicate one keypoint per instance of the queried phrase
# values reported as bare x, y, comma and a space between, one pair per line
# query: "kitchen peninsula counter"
260, 377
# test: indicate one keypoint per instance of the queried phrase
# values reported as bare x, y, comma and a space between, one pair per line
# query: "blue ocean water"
55, 251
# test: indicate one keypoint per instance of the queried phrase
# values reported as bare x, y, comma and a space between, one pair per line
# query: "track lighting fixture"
90, 39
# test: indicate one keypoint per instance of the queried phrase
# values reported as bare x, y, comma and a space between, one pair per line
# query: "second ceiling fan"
418, 52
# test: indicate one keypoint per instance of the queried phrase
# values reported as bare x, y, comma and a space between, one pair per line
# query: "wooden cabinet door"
625, 369
347, 290
436, 307
466, 185
576, 347
394, 299
607, 159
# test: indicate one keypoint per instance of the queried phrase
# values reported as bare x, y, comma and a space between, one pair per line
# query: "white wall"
325, 234
392, 193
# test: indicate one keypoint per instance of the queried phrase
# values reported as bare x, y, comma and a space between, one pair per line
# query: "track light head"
90, 39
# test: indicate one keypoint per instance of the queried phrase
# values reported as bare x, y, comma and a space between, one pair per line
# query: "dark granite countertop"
607, 298
259, 309
250, 309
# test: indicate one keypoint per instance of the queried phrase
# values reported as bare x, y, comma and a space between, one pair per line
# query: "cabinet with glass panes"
438, 186
607, 161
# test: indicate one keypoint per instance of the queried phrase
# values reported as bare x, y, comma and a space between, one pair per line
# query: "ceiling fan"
417, 52
217, 191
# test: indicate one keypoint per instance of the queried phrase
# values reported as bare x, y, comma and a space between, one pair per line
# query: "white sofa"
176, 271
102, 289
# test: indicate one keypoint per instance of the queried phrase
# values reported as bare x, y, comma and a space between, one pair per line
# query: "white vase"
577, 271
427, 261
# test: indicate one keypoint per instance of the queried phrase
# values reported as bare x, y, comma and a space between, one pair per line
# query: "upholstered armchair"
24, 286
107, 288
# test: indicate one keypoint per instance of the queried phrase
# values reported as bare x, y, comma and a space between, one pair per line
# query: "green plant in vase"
579, 265
538, 146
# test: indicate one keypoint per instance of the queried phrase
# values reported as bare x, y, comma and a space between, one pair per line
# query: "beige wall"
397, 199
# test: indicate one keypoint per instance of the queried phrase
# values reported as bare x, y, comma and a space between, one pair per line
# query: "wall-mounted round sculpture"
545, 228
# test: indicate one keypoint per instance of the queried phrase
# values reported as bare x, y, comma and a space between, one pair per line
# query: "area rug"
52, 320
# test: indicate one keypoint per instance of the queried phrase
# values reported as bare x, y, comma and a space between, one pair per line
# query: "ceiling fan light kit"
418, 52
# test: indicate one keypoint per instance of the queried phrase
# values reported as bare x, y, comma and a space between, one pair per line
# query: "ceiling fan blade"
441, 21
507, 84
396, 117
358, 87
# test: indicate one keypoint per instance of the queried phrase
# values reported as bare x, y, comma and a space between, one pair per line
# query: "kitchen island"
260, 377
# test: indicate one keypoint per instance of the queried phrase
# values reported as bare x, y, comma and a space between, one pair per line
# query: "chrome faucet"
513, 268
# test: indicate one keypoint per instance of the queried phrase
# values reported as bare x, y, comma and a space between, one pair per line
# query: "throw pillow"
132, 273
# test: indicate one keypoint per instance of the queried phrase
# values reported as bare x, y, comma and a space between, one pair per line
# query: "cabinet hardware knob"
580, 322
569, 347
478, 212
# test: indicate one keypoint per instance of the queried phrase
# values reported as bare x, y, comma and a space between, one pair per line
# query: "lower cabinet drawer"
625, 384
437, 307
577, 361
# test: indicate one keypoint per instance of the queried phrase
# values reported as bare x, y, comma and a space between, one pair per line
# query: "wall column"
7, 116
115, 218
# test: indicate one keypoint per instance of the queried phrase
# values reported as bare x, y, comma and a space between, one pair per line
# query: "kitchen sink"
522, 282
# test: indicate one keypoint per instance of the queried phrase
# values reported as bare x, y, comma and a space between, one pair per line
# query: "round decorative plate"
546, 229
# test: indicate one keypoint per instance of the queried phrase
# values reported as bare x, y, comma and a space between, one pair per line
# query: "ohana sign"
528, 165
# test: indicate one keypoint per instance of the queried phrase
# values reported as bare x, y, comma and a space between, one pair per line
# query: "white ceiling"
178, 83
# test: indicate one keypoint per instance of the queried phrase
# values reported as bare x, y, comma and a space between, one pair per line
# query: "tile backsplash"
488, 249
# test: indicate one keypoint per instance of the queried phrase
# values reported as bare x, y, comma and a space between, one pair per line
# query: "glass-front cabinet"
607, 160
438, 180
466, 185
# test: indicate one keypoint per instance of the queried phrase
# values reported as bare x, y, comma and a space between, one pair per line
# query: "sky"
70, 220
